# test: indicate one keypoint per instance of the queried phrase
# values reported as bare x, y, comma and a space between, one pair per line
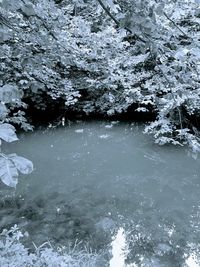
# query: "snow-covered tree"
105, 56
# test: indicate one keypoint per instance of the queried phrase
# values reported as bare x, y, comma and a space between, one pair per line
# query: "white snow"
118, 249
104, 136
192, 261
79, 131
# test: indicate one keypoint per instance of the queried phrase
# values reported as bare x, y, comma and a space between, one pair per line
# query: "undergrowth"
14, 254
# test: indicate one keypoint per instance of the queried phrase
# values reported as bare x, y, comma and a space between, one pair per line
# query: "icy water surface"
95, 180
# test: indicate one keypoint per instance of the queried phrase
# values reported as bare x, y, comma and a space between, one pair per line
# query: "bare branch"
6, 22
108, 12
165, 14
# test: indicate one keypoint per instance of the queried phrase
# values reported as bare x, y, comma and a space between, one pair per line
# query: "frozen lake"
92, 179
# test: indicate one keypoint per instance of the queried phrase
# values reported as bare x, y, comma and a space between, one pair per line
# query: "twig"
174, 23
110, 15
7, 23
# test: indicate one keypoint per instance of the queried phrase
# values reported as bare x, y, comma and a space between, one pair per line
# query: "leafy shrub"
11, 164
14, 253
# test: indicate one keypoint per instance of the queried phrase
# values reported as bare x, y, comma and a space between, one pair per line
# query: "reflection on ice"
104, 136
118, 249
192, 261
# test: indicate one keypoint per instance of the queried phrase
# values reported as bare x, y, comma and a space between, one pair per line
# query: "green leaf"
28, 9
3, 111
23, 165
11, 5
7, 132
8, 172
9, 93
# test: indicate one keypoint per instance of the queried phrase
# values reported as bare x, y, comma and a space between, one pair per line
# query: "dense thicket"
102, 57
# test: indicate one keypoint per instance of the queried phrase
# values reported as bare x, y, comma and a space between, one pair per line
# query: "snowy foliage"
104, 57
11, 165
